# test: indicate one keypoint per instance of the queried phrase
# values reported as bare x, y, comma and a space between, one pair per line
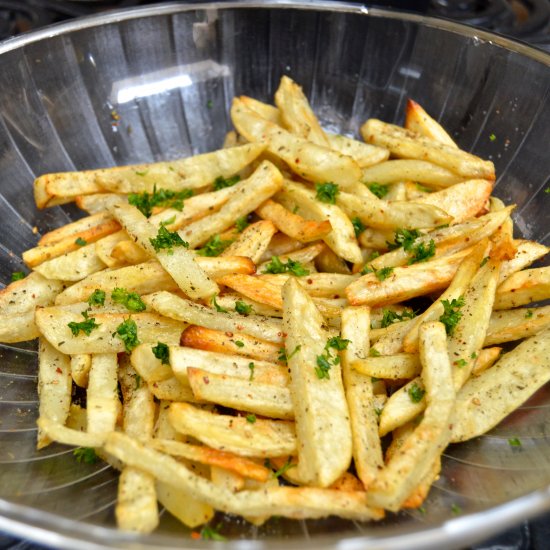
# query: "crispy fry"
419, 121
253, 241
524, 287
527, 252
80, 368
364, 154
510, 325
396, 367
103, 406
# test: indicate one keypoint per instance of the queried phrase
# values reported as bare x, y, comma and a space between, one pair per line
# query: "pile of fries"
241, 325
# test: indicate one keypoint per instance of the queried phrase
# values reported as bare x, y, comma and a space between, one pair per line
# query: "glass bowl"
156, 83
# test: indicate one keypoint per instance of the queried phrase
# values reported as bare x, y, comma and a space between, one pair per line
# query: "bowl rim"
456, 532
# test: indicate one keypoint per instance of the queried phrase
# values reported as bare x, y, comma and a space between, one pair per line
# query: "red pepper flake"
195, 535
229, 334
297, 161
310, 281
58, 370
240, 327
206, 380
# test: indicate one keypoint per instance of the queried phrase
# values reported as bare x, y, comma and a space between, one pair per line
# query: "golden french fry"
68, 436
253, 241
136, 509
80, 228
304, 255
103, 406
80, 368
364, 154
419, 121
313, 387
60, 188
486, 358
265, 110
406, 144
523, 287
396, 367
98, 203
54, 388
527, 252
230, 342
235, 434
488, 398
172, 389
106, 249
509, 325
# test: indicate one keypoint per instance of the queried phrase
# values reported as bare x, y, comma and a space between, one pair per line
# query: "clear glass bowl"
156, 83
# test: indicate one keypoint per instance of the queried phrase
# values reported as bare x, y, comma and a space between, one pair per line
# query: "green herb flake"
214, 247
337, 343
130, 300
243, 308
221, 183
209, 532
378, 189
358, 226
451, 313
80, 242
366, 270
423, 188
219, 308
492, 137
323, 367
127, 332
473, 355
138, 173
251, 418
389, 317
241, 224
547, 190
404, 238
514, 442
86, 455
165, 198
327, 192
209, 104
239, 344
383, 273
284, 468
167, 240
251, 367
422, 510
456, 510
460, 362
97, 298
416, 393
17, 276
373, 352
276, 265
137, 381
484, 261
529, 314
162, 351
283, 355
85, 326
422, 252
169, 221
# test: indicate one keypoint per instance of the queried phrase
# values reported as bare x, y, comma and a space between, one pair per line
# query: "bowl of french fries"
273, 276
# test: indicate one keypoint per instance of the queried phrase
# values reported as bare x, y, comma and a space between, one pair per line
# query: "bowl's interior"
156, 84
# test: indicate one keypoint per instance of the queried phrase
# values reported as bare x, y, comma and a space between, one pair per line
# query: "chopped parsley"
283, 469
251, 418
167, 240
162, 352
460, 362
214, 247
416, 393
80, 242
456, 510
283, 355
145, 202
452, 314
241, 223
337, 343
389, 317
130, 300
212, 533
373, 352
529, 314
492, 137
422, 252
328, 359
137, 381
547, 190
366, 270
97, 298
473, 355
423, 188
484, 261
514, 442
239, 343
327, 192
404, 238
127, 332
86, 455
323, 367
221, 183
168, 221
383, 273
276, 265
243, 308
17, 276
219, 308
378, 189
85, 326
358, 226
251, 367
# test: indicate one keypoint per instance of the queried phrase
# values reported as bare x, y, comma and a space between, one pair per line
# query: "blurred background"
526, 20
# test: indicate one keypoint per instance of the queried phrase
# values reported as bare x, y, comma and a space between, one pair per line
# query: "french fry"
148, 366
367, 451
315, 397
178, 261
280, 244
54, 388
84, 227
527, 252
261, 372
253, 241
68, 436
103, 406
524, 287
60, 188
230, 342
80, 368
126, 252
235, 434
419, 121
177, 308
509, 325
72, 266
106, 249
309, 160
293, 225
98, 203
304, 255
189, 173
18, 327
53, 324
327, 261
461, 201
264, 182
364, 154
393, 367
229, 300
324, 285
404, 283
488, 398
246, 395
172, 389
417, 454
269, 112
342, 237
420, 171
405, 144
486, 358
296, 114
389, 340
